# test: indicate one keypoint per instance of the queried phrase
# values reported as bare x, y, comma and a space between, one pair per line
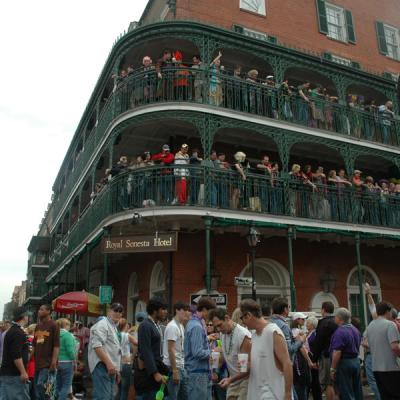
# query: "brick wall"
229, 252
294, 22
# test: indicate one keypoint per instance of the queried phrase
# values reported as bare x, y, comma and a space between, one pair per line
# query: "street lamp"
253, 238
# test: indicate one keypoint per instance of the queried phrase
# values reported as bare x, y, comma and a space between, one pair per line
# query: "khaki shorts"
325, 371
238, 391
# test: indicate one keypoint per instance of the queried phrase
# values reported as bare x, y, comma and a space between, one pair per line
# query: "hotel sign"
140, 243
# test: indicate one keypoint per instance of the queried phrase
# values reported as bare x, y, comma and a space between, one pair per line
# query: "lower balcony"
211, 188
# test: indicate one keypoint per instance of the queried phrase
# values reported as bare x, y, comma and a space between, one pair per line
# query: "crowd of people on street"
202, 352
172, 79
255, 185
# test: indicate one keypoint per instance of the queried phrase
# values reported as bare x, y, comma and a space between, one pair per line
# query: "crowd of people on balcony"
305, 103
256, 186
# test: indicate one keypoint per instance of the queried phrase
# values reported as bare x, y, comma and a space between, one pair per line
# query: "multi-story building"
176, 231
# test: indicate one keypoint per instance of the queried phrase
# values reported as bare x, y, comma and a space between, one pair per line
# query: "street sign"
243, 282
105, 294
221, 299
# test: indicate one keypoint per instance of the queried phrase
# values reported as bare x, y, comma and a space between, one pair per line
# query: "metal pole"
360, 282
207, 223
105, 270
76, 272
291, 274
88, 259
253, 274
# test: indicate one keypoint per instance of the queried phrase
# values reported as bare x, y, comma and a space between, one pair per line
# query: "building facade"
319, 239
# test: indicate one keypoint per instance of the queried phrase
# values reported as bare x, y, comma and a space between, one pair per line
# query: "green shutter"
238, 29
327, 56
380, 31
351, 35
272, 39
322, 20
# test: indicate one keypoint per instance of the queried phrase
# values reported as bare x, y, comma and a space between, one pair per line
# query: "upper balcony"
38, 248
329, 114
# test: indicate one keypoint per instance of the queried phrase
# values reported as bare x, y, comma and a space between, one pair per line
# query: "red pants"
181, 191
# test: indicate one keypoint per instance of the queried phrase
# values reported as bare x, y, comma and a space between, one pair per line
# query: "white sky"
52, 53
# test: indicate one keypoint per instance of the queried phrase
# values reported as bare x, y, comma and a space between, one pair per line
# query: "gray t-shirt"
381, 333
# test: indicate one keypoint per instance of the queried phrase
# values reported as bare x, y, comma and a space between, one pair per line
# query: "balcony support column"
88, 260
75, 262
106, 231
341, 84
110, 154
207, 225
360, 281
290, 236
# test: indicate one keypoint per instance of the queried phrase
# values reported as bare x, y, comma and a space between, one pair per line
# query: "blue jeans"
178, 391
103, 384
65, 374
41, 377
126, 375
370, 376
199, 386
12, 388
348, 379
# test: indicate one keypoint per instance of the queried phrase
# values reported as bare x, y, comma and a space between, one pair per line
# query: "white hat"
298, 315
270, 77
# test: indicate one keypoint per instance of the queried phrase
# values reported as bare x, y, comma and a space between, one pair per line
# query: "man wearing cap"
165, 158
13, 375
105, 353
181, 175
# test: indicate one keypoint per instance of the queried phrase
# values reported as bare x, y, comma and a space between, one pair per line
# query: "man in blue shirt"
198, 352
345, 367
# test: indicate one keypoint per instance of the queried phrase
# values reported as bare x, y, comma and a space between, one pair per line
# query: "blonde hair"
239, 156
31, 329
236, 316
296, 167
63, 322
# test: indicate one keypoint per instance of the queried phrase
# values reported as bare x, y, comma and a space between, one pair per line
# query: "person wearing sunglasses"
267, 379
105, 353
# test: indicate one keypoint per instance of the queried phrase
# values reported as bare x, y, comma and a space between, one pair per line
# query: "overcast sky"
51, 56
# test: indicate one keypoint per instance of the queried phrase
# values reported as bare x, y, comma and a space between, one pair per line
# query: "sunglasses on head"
118, 308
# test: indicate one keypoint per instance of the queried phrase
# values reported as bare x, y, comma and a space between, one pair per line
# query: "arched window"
320, 298
272, 280
353, 290
159, 282
133, 295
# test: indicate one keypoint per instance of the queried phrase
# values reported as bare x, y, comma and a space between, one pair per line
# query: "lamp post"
253, 238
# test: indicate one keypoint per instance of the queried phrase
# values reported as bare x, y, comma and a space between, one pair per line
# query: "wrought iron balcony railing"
197, 86
206, 186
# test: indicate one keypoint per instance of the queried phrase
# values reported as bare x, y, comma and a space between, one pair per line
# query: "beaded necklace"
228, 352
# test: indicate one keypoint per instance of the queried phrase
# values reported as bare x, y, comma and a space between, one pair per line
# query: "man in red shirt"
165, 158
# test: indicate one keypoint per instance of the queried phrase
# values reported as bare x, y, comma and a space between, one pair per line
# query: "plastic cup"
243, 359
215, 359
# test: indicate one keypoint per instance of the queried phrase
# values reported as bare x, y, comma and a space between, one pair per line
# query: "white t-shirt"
231, 344
266, 381
125, 345
176, 333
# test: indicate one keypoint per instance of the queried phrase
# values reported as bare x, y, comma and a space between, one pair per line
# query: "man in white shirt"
235, 340
105, 353
173, 354
271, 373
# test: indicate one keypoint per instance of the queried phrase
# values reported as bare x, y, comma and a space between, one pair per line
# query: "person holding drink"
235, 348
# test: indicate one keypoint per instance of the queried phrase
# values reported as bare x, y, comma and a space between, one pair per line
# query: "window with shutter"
351, 35
380, 31
322, 20
336, 22
392, 42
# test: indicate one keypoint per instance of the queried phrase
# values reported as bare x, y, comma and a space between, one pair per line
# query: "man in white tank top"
235, 340
271, 373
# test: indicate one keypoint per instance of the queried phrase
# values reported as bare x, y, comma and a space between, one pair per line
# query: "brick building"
319, 239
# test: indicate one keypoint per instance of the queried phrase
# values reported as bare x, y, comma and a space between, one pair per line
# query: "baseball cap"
19, 313
141, 316
299, 315
165, 147
270, 77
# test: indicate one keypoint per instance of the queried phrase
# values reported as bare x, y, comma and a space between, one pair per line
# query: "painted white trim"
241, 116
39, 266
319, 297
230, 214
366, 268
